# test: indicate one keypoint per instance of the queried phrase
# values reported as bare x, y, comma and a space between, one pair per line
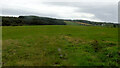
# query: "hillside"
35, 20
30, 20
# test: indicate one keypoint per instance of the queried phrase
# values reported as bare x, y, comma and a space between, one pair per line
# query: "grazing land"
60, 45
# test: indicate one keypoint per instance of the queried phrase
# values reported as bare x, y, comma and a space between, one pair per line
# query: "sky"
93, 10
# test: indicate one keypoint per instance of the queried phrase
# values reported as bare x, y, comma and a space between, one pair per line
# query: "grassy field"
76, 23
60, 45
71, 23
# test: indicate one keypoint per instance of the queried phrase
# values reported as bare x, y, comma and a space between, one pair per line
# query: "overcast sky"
93, 10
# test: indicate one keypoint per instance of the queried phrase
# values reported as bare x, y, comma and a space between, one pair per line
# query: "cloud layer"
104, 10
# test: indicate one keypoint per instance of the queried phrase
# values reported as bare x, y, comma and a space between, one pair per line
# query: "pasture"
59, 45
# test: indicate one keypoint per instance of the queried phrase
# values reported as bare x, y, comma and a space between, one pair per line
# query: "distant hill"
35, 20
30, 20
89, 23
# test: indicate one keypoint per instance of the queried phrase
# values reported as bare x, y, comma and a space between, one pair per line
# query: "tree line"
30, 20
35, 20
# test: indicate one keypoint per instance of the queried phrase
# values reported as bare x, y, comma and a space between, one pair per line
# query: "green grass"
60, 45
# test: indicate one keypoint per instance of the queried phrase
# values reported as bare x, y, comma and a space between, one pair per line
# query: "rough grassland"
56, 45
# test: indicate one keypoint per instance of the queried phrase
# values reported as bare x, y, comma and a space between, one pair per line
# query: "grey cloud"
18, 12
8, 11
105, 11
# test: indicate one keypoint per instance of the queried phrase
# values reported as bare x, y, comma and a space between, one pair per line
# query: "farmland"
59, 45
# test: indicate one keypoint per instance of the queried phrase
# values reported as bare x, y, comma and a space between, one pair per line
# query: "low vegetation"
60, 45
